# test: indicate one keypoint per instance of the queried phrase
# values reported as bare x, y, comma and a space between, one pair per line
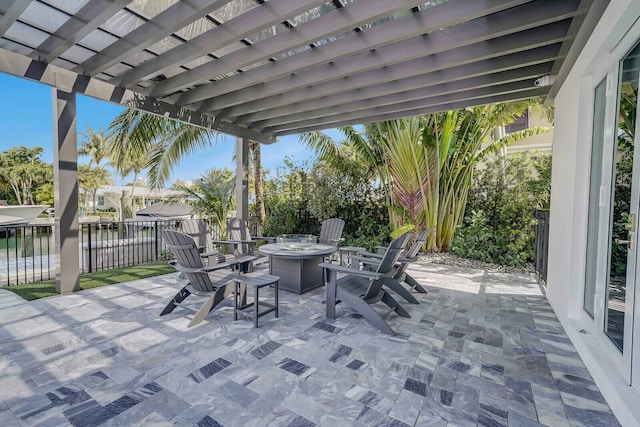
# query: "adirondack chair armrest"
231, 242
342, 269
370, 254
365, 259
228, 243
241, 260
242, 242
208, 254
227, 264
341, 239
376, 261
263, 239
182, 269
381, 248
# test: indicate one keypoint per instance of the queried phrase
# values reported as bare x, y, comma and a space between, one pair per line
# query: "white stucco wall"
569, 202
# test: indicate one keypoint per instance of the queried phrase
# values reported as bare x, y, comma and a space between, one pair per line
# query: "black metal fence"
109, 245
542, 244
28, 252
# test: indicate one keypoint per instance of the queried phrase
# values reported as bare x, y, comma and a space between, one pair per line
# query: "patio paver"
480, 350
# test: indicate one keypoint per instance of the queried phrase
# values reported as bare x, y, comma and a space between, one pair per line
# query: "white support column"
242, 178
65, 170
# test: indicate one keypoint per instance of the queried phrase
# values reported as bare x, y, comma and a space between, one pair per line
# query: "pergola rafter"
499, 25
402, 84
400, 35
460, 58
162, 25
11, 15
233, 30
358, 116
533, 92
89, 18
402, 99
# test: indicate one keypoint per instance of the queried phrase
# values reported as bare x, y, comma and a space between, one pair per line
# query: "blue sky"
27, 119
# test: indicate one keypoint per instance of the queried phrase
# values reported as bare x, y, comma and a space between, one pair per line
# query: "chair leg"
368, 312
229, 290
414, 284
331, 294
392, 303
397, 287
212, 302
177, 299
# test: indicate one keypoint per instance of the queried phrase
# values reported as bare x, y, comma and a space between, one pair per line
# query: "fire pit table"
295, 260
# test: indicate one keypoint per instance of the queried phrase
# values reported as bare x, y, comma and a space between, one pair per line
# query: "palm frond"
179, 142
322, 144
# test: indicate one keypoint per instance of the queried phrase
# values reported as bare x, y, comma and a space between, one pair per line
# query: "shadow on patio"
480, 349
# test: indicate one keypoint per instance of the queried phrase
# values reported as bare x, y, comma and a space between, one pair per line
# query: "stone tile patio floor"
480, 349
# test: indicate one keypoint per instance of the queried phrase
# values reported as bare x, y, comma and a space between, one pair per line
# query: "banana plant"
425, 163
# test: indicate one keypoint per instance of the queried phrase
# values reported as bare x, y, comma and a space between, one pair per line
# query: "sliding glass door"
621, 181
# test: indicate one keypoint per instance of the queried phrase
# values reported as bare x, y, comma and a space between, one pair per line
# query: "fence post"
542, 244
89, 245
157, 230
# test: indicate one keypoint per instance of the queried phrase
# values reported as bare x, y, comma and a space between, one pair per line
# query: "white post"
65, 170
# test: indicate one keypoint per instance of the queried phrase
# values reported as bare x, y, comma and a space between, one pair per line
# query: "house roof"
261, 69
138, 191
163, 209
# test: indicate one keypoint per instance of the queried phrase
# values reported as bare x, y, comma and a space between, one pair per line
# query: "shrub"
299, 197
500, 226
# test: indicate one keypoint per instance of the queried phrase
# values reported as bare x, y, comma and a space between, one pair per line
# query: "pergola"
260, 69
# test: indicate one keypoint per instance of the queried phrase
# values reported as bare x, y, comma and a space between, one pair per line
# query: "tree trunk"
133, 187
257, 178
16, 191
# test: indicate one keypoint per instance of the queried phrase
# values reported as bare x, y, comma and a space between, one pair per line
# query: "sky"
27, 120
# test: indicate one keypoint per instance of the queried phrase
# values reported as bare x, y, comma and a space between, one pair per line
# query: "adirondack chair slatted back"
198, 229
421, 239
185, 250
238, 229
331, 231
388, 261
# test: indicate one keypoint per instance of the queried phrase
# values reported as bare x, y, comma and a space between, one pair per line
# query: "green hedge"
499, 225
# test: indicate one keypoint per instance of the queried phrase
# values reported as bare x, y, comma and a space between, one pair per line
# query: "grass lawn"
31, 291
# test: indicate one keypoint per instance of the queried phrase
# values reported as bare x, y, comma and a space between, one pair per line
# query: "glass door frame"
631, 39
631, 344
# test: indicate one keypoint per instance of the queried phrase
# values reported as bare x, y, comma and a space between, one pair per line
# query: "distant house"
109, 196
532, 117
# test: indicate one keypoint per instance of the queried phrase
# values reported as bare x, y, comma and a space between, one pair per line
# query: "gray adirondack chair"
400, 274
240, 237
331, 231
212, 281
360, 289
199, 230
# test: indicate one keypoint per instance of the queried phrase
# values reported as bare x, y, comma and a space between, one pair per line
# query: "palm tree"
139, 140
162, 142
95, 145
211, 197
425, 164
256, 158
91, 179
